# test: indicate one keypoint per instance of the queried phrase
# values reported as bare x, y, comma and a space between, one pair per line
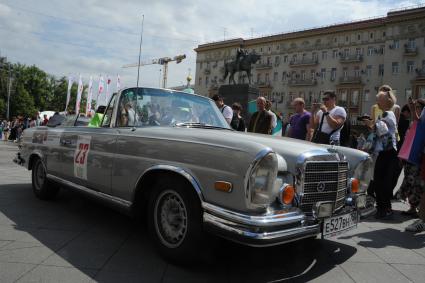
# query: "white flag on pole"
100, 91
108, 82
79, 93
118, 83
68, 93
89, 96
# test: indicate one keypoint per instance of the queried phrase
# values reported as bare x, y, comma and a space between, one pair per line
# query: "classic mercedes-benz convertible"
172, 157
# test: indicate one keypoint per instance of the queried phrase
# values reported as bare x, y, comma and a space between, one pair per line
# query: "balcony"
303, 62
263, 66
420, 73
264, 85
350, 80
207, 71
410, 51
301, 82
356, 58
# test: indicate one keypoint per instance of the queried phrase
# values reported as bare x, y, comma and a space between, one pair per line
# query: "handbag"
414, 142
321, 137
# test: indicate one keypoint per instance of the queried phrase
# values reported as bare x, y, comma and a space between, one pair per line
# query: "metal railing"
351, 58
304, 62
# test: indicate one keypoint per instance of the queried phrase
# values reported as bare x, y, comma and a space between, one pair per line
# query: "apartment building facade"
353, 59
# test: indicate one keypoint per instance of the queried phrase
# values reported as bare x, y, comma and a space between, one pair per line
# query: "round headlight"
364, 173
262, 179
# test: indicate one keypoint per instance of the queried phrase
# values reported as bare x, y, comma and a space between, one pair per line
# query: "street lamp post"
8, 94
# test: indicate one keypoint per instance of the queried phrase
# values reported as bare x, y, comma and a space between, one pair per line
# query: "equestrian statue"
242, 63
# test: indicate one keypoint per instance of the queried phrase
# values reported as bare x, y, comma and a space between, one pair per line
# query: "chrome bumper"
277, 227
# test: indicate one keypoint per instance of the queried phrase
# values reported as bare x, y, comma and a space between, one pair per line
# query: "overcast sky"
95, 37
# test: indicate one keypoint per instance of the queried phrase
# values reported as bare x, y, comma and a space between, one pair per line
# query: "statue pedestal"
242, 93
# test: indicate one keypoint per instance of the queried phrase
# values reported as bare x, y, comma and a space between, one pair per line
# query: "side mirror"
101, 109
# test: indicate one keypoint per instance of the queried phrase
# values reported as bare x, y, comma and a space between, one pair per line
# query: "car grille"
334, 176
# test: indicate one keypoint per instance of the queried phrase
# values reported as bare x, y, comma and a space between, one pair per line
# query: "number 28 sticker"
80, 157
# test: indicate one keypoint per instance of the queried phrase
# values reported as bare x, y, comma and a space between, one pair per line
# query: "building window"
346, 39
324, 55
275, 76
314, 55
285, 59
357, 72
277, 47
323, 74
200, 65
270, 48
395, 68
303, 75
334, 53
207, 80
396, 44
384, 34
294, 58
369, 70
312, 74
267, 77
261, 49
335, 39
283, 76
381, 70
408, 93
345, 72
268, 60
359, 36
371, 35
200, 81
304, 56
333, 74
358, 51
410, 66
342, 101
258, 78
277, 60
354, 101
346, 52
370, 50
411, 43
366, 95
382, 49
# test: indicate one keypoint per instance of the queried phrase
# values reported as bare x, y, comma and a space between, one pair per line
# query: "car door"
89, 155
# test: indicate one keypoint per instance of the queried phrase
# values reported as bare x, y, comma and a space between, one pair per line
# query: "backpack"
235, 122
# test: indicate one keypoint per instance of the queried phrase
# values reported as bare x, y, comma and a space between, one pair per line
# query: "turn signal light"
355, 185
287, 195
223, 186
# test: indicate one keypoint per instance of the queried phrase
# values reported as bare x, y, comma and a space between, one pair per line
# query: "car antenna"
138, 75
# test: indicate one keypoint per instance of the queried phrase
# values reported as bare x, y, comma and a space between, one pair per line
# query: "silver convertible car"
171, 157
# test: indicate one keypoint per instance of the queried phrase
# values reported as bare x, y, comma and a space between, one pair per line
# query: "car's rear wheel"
41, 186
175, 221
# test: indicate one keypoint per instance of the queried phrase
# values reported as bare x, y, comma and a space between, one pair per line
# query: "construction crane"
161, 61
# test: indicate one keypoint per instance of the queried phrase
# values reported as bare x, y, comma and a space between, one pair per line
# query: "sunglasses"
325, 99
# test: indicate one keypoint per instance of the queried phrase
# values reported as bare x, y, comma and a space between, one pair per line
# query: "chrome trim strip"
327, 182
101, 195
260, 155
179, 170
279, 217
277, 237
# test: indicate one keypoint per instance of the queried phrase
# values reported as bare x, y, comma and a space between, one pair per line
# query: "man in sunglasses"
327, 120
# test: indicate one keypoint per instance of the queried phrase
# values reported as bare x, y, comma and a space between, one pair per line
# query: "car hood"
290, 149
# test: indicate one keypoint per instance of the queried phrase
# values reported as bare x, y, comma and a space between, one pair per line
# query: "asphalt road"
74, 239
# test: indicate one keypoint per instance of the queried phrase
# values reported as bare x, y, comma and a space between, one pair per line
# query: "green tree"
22, 102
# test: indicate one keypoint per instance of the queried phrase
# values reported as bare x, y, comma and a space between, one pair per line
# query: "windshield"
159, 107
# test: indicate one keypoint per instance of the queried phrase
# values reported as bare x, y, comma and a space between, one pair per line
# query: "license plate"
339, 224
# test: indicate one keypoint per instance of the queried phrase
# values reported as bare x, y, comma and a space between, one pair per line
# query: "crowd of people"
383, 137
11, 130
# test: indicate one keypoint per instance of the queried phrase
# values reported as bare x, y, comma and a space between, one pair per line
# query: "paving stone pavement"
74, 239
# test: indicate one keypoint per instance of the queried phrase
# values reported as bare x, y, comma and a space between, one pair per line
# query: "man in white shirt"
334, 117
225, 110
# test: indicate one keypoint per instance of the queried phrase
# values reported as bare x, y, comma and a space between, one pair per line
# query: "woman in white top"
386, 151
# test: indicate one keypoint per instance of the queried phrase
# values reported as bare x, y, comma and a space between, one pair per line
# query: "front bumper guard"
277, 227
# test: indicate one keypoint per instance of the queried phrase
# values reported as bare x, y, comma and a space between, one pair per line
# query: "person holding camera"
328, 120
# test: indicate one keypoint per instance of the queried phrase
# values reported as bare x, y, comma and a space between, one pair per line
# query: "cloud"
94, 37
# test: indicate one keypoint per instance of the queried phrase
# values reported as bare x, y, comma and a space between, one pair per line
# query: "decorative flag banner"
118, 83
79, 93
68, 93
89, 96
108, 82
100, 91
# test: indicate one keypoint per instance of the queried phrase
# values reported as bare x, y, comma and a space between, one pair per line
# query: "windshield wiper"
199, 125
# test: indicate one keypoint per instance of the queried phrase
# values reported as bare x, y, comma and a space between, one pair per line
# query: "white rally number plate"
338, 224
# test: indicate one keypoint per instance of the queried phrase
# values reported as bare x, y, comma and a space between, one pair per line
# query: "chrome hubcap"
170, 219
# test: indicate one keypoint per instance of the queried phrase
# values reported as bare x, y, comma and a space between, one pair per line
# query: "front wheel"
175, 221
41, 186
